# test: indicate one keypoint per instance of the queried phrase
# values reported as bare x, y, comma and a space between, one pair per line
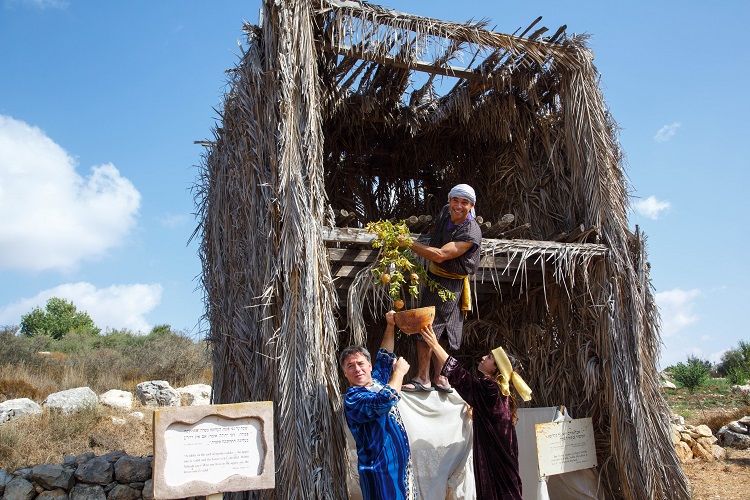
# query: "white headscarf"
464, 191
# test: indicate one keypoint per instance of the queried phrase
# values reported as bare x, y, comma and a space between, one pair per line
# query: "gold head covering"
508, 375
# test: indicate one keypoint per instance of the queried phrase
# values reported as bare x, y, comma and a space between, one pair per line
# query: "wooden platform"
503, 264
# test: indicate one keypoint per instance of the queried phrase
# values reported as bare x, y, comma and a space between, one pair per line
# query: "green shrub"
691, 375
16, 349
735, 362
172, 357
58, 318
737, 376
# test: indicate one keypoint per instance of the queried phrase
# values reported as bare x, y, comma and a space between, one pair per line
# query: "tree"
59, 318
735, 360
693, 374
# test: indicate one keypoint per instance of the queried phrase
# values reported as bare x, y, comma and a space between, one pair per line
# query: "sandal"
417, 387
444, 390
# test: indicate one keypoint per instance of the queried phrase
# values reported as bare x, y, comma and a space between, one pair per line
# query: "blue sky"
100, 103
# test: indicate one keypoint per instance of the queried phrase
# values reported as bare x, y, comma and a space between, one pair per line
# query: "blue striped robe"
384, 456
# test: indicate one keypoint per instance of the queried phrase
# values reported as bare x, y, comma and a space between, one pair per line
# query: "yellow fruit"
398, 304
414, 277
385, 278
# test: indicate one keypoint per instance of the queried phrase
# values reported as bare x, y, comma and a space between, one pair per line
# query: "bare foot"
441, 384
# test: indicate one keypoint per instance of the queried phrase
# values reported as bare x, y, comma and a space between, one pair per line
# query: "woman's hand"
428, 334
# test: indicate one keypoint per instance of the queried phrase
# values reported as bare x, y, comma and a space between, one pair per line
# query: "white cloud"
52, 217
651, 207
114, 307
667, 132
172, 221
676, 307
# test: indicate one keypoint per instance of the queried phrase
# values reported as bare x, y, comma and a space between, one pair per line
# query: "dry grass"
713, 404
47, 438
101, 363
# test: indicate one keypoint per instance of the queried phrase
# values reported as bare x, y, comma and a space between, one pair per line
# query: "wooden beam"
353, 235
388, 60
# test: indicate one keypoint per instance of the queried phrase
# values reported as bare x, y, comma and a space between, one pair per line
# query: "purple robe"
495, 445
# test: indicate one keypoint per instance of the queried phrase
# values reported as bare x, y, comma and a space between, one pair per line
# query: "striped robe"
384, 456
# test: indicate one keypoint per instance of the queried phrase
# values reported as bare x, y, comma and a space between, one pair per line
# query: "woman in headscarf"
495, 445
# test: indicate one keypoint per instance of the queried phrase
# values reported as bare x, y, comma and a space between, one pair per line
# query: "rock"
95, 471
687, 438
137, 485
700, 452
17, 408
684, 453
87, 492
157, 393
72, 400
148, 490
76, 460
123, 492
19, 489
132, 469
121, 400
666, 384
702, 431
118, 421
729, 438
195, 395
138, 415
676, 419
113, 456
737, 427
4, 479
24, 473
56, 494
52, 477
676, 437
706, 442
741, 389
745, 420
718, 452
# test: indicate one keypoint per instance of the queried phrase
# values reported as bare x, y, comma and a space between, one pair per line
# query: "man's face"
460, 209
357, 370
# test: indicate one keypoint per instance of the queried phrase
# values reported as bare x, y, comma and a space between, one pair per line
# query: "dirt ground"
721, 479
728, 479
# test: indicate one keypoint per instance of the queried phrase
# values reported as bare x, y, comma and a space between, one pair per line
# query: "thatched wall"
336, 103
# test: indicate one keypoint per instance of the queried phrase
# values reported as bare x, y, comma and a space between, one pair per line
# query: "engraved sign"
204, 450
565, 446
212, 448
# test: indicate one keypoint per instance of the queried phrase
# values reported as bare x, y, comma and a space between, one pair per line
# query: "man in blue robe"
383, 453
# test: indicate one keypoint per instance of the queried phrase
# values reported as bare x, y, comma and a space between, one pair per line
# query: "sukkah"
345, 111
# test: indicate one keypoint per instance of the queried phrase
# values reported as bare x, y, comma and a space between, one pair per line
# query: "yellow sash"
465, 295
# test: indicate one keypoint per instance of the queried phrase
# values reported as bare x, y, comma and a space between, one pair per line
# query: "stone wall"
114, 476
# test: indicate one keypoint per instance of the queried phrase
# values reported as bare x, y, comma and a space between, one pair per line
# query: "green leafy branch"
398, 267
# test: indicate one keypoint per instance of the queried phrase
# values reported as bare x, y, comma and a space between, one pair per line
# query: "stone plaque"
203, 450
565, 446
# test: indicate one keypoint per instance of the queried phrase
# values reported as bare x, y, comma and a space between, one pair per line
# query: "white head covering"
464, 191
